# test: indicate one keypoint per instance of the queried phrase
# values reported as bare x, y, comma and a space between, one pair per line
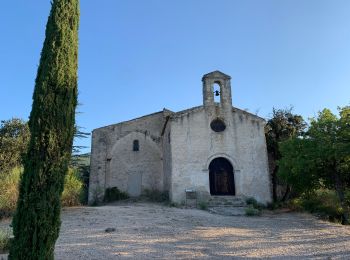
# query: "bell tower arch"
222, 89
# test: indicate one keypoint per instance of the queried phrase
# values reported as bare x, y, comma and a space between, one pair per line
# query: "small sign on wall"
191, 198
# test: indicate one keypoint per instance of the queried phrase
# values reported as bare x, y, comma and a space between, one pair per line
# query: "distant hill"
81, 159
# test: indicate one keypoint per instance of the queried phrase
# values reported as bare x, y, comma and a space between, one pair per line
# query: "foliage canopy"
14, 138
282, 126
322, 157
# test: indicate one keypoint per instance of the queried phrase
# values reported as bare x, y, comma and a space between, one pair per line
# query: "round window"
217, 125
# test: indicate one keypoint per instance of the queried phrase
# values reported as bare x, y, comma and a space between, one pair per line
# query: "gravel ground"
148, 231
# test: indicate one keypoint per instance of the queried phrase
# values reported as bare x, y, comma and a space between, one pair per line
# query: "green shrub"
254, 207
5, 239
71, 196
347, 197
114, 194
273, 205
203, 205
324, 203
9, 192
253, 202
84, 175
173, 205
294, 204
251, 211
73, 189
155, 195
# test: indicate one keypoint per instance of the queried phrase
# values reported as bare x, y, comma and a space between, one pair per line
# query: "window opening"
135, 145
217, 92
217, 125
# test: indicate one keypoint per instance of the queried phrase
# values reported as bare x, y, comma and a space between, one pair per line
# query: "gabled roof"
197, 109
216, 74
165, 112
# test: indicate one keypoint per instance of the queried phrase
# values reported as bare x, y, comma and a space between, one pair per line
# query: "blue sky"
137, 57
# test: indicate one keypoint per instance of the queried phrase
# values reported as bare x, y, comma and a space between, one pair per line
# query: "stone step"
226, 201
228, 211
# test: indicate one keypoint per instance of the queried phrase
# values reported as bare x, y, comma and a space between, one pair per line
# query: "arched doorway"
221, 178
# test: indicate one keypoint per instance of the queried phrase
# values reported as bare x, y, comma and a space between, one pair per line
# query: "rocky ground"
148, 231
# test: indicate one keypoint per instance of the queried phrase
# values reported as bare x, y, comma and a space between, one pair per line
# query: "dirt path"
148, 231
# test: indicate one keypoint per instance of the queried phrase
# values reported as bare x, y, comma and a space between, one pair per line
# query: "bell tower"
223, 91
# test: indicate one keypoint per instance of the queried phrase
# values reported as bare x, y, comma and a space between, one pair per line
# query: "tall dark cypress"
36, 223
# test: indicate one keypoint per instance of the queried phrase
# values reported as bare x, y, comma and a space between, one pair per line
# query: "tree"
14, 137
36, 222
298, 166
322, 157
282, 126
79, 134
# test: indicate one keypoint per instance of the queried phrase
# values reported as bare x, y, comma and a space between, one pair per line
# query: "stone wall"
133, 171
115, 164
167, 160
195, 144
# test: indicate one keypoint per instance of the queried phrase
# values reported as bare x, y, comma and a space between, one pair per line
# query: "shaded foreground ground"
145, 231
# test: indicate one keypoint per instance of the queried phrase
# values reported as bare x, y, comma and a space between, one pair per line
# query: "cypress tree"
36, 223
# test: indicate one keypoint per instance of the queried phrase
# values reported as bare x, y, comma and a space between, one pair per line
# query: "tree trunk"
339, 187
274, 183
286, 193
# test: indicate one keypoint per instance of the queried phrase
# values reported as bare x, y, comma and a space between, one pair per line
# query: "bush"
114, 194
173, 205
84, 175
155, 195
250, 211
254, 207
14, 138
324, 203
203, 205
71, 196
273, 205
5, 239
347, 197
9, 192
73, 189
294, 204
253, 202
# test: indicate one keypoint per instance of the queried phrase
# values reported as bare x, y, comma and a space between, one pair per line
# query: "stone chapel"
213, 150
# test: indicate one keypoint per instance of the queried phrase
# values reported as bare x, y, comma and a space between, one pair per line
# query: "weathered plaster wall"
97, 165
114, 163
167, 160
127, 165
254, 175
195, 144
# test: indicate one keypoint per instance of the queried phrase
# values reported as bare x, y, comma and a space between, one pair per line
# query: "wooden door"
221, 177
